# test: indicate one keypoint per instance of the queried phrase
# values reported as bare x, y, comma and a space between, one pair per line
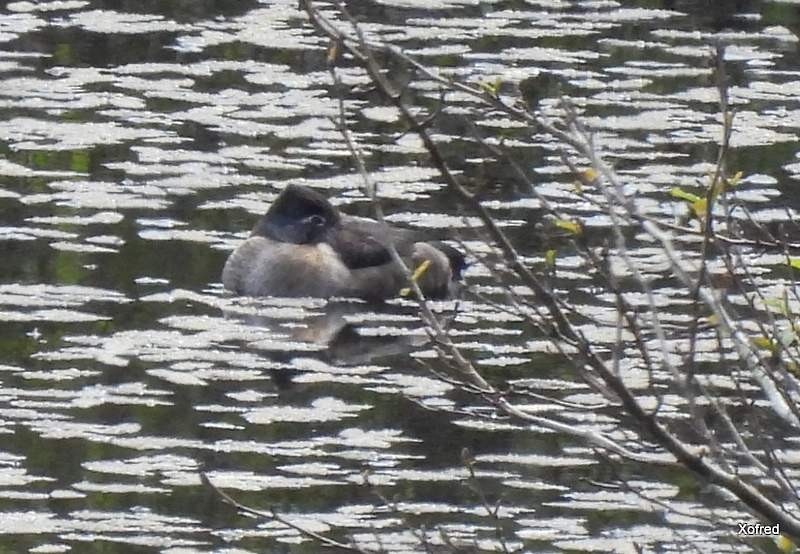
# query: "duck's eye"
316, 220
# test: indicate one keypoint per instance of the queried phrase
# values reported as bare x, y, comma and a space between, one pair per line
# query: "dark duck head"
298, 215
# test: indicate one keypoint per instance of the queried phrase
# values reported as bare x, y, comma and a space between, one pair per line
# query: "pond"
140, 142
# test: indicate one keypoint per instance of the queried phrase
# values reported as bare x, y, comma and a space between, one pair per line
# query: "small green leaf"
415, 277
723, 184
794, 262
420, 271
550, 258
492, 88
697, 204
735, 180
586, 178
498, 83
785, 544
570, 226
764, 343
699, 208
683, 195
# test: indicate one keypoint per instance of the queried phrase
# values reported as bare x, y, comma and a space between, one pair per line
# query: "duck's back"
363, 243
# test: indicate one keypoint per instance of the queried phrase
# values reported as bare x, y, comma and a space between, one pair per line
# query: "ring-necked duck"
303, 246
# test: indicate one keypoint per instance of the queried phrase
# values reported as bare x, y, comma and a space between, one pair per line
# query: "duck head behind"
299, 215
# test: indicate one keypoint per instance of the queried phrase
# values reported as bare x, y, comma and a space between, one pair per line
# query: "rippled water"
139, 143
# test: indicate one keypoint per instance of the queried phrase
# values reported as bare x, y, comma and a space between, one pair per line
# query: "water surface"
140, 142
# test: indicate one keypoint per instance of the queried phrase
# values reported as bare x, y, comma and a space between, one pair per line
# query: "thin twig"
275, 516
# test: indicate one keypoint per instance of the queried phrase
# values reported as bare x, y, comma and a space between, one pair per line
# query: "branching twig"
555, 320
275, 516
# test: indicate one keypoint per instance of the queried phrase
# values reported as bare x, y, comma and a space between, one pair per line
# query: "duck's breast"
264, 267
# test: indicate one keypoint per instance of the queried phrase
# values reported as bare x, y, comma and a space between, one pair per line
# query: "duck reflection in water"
304, 247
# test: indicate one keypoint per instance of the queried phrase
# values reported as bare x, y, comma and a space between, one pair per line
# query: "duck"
303, 246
